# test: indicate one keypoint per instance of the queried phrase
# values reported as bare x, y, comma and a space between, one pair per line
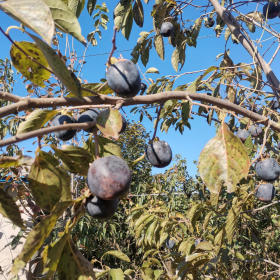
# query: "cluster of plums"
109, 177
267, 169
87, 116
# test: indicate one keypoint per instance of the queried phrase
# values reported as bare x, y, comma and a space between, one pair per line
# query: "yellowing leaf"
109, 122
37, 236
33, 71
116, 274
118, 254
59, 68
152, 70
48, 182
35, 120
159, 46
224, 160
34, 14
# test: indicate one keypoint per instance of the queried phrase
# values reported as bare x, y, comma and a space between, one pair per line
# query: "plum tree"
64, 134
123, 77
109, 177
166, 29
255, 130
265, 192
101, 209
89, 116
268, 169
159, 153
271, 10
243, 134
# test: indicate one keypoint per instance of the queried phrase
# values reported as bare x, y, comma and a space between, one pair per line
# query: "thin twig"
113, 46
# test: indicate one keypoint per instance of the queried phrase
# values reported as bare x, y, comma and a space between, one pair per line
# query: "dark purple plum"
265, 192
270, 10
159, 153
166, 29
89, 116
123, 77
109, 177
243, 134
268, 169
101, 209
64, 134
255, 130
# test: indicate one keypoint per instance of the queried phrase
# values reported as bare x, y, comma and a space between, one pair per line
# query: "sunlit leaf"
39, 20
118, 254
65, 19
59, 68
116, 274
33, 71
109, 122
35, 120
152, 70
224, 160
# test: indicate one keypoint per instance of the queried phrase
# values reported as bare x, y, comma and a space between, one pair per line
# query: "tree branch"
29, 103
43, 131
247, 43
10, 97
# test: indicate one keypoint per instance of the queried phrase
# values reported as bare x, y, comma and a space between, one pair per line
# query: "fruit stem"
157, 121
113, 46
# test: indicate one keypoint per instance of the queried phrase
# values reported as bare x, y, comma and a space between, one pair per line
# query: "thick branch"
247, 43
29, 103
43, 131
9, 97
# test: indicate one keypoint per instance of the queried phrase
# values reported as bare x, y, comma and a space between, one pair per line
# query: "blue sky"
203, 56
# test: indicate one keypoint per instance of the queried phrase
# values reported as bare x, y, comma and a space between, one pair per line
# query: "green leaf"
59, 68
37, 236
75, 159
33, 71
6, 161
48, 182
76, 6
232, 220
205, 246
51, 255
109, 122
9, 209
116, 274
35, 120
65, 19
138, 13
118, 254
73, 265
224, 160
152, 70
127, 23
159, 46
120, 12
34, 14
175, 59
91, 6
186, 108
